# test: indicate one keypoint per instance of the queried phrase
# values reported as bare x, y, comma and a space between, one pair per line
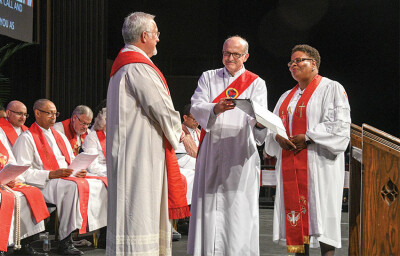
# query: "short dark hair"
186, 110
310, 51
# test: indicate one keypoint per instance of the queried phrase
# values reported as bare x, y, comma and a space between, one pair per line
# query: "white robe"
139, 113
92, 145
187, 163
225, 215
62, 193
28, 225
328, 125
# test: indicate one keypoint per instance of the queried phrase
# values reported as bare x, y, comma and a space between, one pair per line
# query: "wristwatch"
308, 141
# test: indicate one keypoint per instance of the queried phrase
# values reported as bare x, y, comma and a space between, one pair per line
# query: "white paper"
10, 172
81, 162
262, 115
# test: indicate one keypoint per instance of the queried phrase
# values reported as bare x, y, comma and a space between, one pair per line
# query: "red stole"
6, 211
50, 163
35, 200
102, 139
4, 156
238, 86
295, 174
33, 195
177, 203
10, 131
72, 136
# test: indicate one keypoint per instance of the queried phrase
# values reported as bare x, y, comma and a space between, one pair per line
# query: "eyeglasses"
235, 55
83, 123
297, 61
50, 114
157, 33
26, 115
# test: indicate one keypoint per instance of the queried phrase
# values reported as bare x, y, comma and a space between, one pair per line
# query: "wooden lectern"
374, 215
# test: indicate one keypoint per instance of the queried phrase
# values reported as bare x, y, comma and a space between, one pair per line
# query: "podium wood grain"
380, 205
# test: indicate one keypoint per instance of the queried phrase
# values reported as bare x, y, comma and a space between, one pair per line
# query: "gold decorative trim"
295, 249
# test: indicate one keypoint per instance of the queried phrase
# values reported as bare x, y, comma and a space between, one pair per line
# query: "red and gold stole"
35, 200
10, 131
102, 139
7, 203
295, 174
50, 163
32, 194
234, 90
6, 211
72, 136
177, 203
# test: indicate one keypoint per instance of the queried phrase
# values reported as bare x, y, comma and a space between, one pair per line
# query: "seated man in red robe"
76, 127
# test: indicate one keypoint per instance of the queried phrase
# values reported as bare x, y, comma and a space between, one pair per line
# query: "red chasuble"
295, 173
33, 195
50, 163
10, 131
72, 136
177, 203
234, 90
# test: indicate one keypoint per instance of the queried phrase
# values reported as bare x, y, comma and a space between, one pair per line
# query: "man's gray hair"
82, 110
100, 120
40, 103
246, 44
134, 25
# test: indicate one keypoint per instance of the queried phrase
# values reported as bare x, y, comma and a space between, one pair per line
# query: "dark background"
358, 42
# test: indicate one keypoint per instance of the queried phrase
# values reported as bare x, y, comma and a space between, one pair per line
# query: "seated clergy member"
31, 210
13, 125
49, 153
95, 143
76, 127
187, 149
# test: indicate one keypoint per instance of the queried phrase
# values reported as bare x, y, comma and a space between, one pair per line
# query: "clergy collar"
43, 129
130, 47
241, 71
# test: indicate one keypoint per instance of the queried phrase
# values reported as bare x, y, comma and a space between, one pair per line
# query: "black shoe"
67, 248
101, 243
28, 250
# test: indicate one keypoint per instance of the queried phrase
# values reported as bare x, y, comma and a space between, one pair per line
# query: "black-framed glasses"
157, 33
297, 61
19, 113
235, 55
83, 123
50, 114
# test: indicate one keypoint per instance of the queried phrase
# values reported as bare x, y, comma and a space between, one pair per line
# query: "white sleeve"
90, 146
333, 132
24, 152
202, 107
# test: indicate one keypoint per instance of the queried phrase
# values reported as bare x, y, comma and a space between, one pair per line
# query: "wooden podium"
374, 213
